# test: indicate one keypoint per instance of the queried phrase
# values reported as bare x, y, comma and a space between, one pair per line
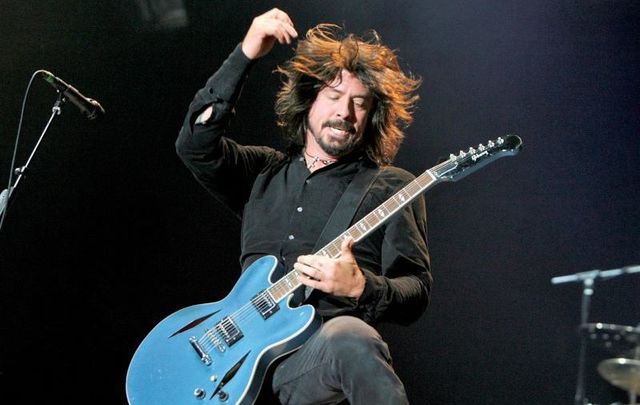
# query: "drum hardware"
623, 373
596, 332
617, 338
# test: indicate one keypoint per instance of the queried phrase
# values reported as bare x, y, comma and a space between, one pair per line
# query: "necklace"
317, 159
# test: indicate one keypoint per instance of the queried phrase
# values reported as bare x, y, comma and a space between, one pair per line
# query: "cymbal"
611, 336
621, 372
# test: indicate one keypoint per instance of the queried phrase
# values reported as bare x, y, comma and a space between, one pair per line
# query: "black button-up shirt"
284, 207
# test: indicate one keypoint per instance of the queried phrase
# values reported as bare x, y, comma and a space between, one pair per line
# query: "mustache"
341, 125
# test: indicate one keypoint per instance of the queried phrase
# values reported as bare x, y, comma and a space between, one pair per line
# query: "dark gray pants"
344, 359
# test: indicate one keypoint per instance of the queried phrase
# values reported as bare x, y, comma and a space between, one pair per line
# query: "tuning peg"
491, 144
462, 154
472, 151
452, 157
481, 147
500, 141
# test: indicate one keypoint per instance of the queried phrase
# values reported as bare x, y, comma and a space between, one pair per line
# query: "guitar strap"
346, 208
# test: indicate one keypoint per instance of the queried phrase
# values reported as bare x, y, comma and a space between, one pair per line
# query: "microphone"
89, 107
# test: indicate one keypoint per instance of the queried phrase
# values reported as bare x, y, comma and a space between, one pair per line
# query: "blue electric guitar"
218, 353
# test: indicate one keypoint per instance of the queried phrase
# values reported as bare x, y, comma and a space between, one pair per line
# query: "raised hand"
265, 30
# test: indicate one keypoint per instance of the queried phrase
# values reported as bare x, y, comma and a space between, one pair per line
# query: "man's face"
338, 116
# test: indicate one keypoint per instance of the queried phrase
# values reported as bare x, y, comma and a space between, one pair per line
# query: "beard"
333, 147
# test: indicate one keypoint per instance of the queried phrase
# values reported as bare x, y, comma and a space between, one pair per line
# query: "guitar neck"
361, 229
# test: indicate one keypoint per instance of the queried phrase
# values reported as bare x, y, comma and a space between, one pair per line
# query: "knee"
351, 339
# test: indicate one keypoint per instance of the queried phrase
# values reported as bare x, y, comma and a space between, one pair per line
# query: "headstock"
466, 162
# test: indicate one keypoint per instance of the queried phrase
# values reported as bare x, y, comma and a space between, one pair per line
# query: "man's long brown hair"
319, 59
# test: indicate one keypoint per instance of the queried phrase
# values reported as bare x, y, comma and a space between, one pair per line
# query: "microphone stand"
588, 281
20, 171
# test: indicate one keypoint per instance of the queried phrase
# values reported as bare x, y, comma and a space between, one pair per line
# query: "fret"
390, 205
403, 196
332, 250
289, 283
279, 291
275, 294
381, 211
425, 179
322, 252
372, 220
362, 226
413, 188
355, 233
284, 286
292, 281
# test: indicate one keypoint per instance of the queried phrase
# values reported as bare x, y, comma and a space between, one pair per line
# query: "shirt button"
291, 237
307, 181
299, 209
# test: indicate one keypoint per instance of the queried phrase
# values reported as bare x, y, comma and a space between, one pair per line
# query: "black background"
109, 233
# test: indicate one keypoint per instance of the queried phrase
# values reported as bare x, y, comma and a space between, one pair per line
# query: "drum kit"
623, 369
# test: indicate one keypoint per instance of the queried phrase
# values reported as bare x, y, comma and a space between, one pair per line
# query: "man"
341, 106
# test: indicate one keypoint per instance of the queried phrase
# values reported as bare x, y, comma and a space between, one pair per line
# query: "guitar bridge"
204, 356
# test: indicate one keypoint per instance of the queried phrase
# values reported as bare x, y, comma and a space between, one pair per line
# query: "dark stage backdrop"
109, 233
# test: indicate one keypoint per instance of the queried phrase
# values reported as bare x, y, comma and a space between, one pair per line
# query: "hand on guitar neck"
337, 276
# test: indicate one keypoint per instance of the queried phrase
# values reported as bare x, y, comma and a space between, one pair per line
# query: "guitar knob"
481, 147
491, 144
199, 393
223, 396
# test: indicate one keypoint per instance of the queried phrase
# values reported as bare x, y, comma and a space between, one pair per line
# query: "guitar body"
218, 353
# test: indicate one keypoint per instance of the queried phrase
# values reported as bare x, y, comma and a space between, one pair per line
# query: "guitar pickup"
265, 305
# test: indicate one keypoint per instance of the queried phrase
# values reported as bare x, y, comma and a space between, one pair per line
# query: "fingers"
284, 33
291, 32
308, 270
274, 25
315, 284
314, 278
338, 276
282, 26
346, 246
278, 14
277, 24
